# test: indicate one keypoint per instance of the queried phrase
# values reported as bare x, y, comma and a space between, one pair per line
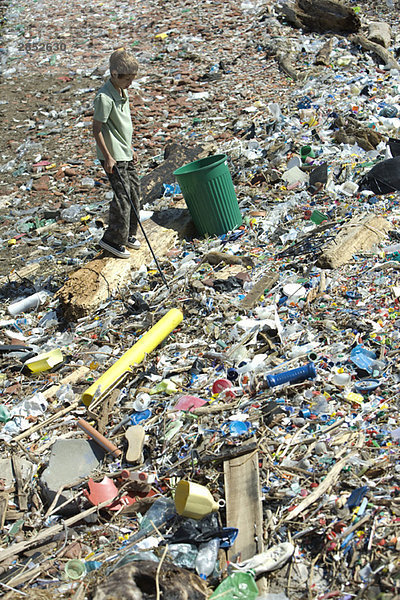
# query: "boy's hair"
122, 62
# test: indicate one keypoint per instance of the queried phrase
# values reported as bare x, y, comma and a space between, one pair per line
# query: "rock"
70, 460
175, 157
42, 184
70, 172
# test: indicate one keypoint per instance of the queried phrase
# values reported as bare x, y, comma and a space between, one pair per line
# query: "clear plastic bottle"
159, 513
183, 555
207, 557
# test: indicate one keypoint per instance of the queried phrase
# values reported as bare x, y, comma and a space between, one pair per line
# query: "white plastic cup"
33, 301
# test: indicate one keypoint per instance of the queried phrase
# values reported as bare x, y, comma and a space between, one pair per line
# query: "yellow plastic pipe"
133, 356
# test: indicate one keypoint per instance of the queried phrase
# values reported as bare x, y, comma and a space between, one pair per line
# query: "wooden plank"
322, 57
22, 496
380, 33
264, 284
4, 496
20, 274
355, 236
243, 504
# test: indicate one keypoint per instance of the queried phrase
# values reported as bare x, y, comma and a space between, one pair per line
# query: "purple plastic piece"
293, 376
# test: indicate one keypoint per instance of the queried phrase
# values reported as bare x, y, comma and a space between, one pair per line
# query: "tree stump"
322, 16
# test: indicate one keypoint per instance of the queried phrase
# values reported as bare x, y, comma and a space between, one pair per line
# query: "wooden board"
355, 236
96, 281
259, 288
243, 504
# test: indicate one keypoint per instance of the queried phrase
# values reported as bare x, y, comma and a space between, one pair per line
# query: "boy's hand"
109, 164
134, 156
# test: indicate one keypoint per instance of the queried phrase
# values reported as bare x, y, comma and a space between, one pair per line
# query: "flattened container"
208, 191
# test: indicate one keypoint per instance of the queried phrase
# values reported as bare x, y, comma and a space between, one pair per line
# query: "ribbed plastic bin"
209, 194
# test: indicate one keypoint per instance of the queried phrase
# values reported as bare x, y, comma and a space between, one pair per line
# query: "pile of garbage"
217, 418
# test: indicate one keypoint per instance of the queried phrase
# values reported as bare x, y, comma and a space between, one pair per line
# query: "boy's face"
122, 81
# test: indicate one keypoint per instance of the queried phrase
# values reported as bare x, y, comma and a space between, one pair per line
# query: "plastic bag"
383, 178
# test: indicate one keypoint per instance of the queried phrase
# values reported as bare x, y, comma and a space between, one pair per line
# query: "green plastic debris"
238, 586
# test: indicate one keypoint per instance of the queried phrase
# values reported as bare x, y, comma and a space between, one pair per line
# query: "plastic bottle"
32, 301
159, 513
320, 405
72, 213
183, 555
207, 557
65, 393
294, 375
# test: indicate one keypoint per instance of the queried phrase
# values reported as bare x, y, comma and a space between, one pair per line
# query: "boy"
112, 130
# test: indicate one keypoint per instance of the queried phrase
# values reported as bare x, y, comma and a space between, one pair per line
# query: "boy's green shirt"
113, 111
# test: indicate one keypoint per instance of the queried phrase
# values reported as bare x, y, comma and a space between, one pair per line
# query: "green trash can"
209, 194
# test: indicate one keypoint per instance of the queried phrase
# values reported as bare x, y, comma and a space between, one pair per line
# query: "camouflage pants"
122, 222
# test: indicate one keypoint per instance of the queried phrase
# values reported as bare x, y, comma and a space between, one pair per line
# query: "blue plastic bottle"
293, 376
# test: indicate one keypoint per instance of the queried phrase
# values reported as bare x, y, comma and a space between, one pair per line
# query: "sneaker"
273, 558
133, 243
115, 249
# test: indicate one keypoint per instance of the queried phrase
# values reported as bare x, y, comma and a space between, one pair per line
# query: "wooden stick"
22, 497
49, 532
378, 49
320, 490
158, 572
29, 573
73, 377
44, 423
214, 408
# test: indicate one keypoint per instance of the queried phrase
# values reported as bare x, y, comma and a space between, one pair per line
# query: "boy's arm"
109, 161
